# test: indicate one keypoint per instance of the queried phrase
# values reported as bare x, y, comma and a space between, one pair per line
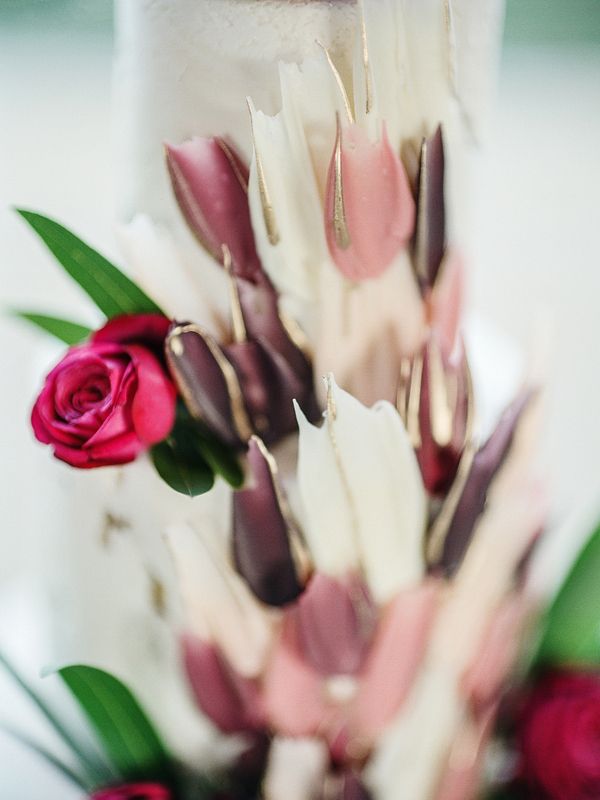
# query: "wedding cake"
350, 128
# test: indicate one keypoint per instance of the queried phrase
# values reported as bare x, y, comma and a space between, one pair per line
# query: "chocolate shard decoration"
230, 700
430, 232
329, 605
435, 403
348, 786
263, 531
484, 467
210, 183
208, 383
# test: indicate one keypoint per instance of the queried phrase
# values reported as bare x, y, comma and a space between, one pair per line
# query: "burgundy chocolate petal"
444, 392
486, 463
260, 310
230, 700
210, 182
430, 231
261, 533
255, 374
335, 621
208, 383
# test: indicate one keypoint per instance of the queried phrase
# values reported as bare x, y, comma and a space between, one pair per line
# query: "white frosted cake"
186, 68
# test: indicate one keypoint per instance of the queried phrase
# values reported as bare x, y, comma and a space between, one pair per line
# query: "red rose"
134, 791
108, 399
559, 737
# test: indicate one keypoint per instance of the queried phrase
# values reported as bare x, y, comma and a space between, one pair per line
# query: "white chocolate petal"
362, 491
219, 607
182, 278
296, 769
327, 510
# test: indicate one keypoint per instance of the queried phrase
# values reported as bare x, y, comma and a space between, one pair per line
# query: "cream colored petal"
327, 508
363, 494
218, 605
296, 769
182, 278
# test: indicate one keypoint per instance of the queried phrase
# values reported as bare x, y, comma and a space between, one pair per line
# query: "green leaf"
126, 734
63, 329
96, 773
221, 458
179, 463
112, 291
571, 628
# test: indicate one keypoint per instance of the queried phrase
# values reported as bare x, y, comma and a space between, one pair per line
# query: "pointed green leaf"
95, 772
221, 458
127, 736
571, 628
110, 289
68, 332
179, 463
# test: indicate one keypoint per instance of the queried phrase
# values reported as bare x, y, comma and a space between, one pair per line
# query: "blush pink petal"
378, 206
462, 777
497, 652
294, 691
394, 659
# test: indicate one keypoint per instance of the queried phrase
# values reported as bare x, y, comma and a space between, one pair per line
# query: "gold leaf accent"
439, 529
235, 167
402, 390
366, 63
413, 425
263, 190
299, 552
440, 408
158, 595
340, 83
237, 317
112, 523
340, 225
239, 414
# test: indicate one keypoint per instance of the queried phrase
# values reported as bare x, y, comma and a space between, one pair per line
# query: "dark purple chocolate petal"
430, 231
335, 621
262, 531
208, 383
485, 465
260, 310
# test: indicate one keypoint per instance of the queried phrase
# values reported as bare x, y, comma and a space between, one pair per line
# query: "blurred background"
534, 254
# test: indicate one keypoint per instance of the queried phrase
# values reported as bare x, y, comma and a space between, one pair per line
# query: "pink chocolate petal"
369, 208
395, 657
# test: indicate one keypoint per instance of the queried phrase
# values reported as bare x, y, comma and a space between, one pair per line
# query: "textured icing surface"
186, 67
